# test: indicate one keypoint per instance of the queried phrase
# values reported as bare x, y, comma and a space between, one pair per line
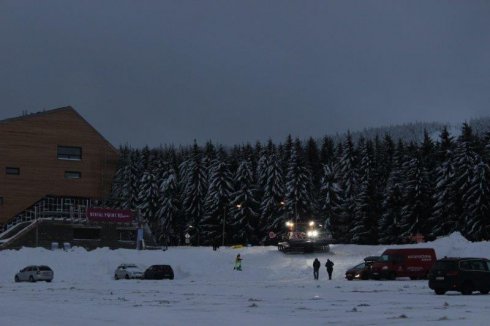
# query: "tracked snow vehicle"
305, 238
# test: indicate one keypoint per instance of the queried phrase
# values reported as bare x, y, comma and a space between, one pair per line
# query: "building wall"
30, 143
47, 232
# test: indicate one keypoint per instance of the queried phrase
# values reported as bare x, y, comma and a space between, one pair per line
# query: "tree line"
371, 191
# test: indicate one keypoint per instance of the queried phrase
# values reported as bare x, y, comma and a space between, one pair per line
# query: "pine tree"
465, 160
331, 202
194, 186
272, 213
444, 218
149, 198
417, 197
298, 185
170, 224
244, 205
477, 204
347, 168
218, 201
364, 228
327, 151
388, 225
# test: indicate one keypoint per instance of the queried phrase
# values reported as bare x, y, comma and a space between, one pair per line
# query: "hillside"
415, 131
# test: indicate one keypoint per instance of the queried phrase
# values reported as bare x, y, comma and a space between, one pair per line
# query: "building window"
69, 153
73, 175
12, 171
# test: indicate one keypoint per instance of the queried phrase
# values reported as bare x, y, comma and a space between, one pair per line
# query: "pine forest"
371, 191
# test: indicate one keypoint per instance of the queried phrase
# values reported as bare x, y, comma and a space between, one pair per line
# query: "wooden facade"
55, 152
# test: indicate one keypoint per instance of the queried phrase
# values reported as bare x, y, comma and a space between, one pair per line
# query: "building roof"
54, 111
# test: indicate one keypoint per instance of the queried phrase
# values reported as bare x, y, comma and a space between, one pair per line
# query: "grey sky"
160, 72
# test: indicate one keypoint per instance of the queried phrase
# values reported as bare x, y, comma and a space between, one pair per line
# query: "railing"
52, 207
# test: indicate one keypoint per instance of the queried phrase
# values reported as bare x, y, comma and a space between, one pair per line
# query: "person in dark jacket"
316, 268
329, 266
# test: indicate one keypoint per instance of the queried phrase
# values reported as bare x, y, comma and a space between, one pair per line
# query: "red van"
411, 262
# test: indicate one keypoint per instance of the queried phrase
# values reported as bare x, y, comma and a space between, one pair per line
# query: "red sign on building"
109, 215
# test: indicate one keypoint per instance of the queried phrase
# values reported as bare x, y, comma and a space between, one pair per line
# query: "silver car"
128, 271
34, 274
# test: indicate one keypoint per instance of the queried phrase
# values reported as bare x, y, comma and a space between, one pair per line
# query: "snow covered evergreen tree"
391, 211
170, 224
272, 213
149, 198
194, 186
364, 226
244, 218
298, 185
331, 202
477, 204
444, 218
417, 197
349, 179
465, 160
218, 201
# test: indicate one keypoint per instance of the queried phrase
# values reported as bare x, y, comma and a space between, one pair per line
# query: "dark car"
159, 272
460, 274
361, 271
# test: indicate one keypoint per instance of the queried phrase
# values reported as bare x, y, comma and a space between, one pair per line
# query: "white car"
34, 274
128, 271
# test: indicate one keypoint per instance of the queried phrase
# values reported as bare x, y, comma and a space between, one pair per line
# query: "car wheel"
439, 291
484, 291
349, 277
392, 276
116, 277
31, 279
17, 280
127, 277
48, 281
467, 288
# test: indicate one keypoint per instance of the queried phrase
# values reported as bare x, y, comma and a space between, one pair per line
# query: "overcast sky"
169, 72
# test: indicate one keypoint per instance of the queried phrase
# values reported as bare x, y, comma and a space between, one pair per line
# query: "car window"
44, 268
477, 265
360, 266
488, 265
445, 265
465, 265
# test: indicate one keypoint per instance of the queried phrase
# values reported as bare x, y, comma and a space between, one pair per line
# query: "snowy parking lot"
272, 289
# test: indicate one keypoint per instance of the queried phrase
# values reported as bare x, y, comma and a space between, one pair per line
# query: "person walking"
329, 265
238, 263
316, 268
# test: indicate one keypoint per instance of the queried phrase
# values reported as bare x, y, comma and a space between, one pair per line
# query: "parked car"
128, 271
159, 272
460, 274
408, 262
361, 271
34, 274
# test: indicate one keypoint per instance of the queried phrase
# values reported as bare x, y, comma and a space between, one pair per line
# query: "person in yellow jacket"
238, 263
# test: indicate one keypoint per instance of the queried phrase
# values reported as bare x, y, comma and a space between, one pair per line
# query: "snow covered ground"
272, 289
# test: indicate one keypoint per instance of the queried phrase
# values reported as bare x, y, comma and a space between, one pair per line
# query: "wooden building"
52, 153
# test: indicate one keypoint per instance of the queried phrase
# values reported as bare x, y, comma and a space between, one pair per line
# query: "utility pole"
224, 223
139, 231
